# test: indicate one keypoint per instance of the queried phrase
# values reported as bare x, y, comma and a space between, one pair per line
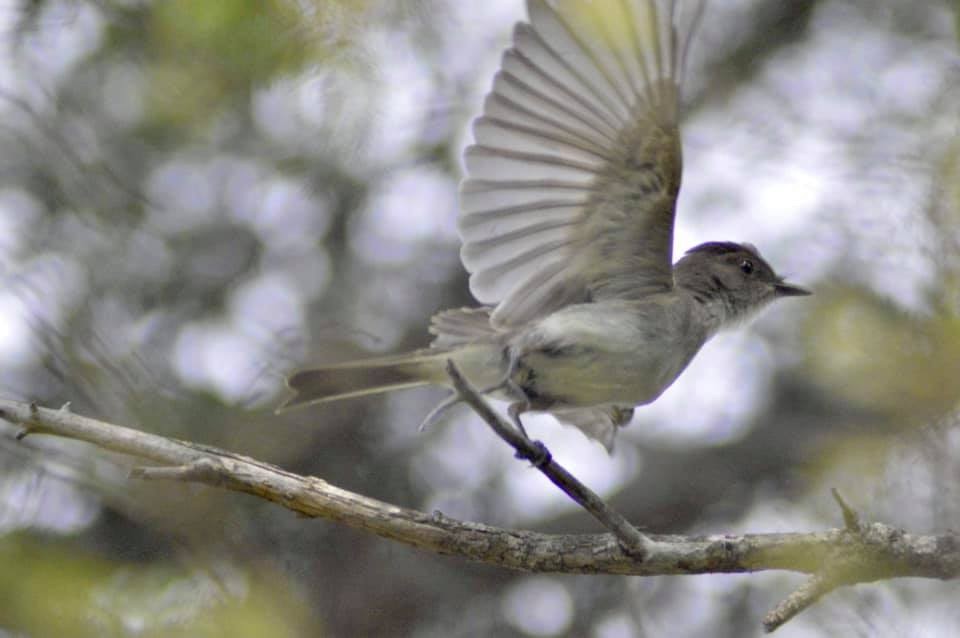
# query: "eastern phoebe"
567, 213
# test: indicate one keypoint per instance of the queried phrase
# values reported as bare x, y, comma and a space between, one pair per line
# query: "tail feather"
360, 378
461, 326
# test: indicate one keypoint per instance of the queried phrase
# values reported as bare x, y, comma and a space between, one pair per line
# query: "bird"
567, 209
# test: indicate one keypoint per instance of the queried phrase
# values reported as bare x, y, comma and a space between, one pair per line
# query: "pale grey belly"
619, 353
580, 377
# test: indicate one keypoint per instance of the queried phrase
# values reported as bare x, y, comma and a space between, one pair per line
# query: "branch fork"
823, 582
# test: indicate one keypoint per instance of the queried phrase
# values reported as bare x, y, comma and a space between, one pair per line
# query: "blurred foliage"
882, 359
203, 52
197, 196
57, 589
946, 217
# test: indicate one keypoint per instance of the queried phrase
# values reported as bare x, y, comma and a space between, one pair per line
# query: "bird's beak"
784, 289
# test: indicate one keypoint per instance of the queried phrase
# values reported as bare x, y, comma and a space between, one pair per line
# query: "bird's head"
734, 275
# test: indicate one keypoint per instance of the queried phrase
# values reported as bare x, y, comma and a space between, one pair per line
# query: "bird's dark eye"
746, 266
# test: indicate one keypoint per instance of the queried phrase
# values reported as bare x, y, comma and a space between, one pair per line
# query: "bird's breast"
624, 354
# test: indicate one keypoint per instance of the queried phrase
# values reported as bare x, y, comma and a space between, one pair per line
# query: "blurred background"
198, 196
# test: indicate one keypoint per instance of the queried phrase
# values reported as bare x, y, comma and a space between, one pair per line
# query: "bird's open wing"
571, 185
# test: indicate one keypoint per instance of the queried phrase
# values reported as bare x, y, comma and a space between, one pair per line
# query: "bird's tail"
371, 376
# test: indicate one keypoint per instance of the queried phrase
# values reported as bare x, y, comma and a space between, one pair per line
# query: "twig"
851, 520
26, 430
810, 592
633, 540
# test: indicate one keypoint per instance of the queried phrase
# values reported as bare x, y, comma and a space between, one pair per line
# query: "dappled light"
198, 198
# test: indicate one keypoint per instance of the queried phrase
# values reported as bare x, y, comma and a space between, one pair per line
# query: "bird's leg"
515, 389
515, 410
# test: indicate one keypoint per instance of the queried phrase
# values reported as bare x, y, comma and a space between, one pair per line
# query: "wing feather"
552, 286
571, 186
481, 200
536, 80
552, 44
489, 226
528, 276
561, 114
492, 163
502, 109
520, 138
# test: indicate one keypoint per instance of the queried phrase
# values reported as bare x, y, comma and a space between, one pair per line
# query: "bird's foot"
539, 457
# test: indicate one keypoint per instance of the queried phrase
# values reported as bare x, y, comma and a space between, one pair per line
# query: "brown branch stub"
632, 539
810, 592
851, 520
25, 428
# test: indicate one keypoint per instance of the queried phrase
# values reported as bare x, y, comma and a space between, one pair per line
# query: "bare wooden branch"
835, 557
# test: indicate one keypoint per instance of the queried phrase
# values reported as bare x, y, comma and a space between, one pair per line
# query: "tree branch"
838, 556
